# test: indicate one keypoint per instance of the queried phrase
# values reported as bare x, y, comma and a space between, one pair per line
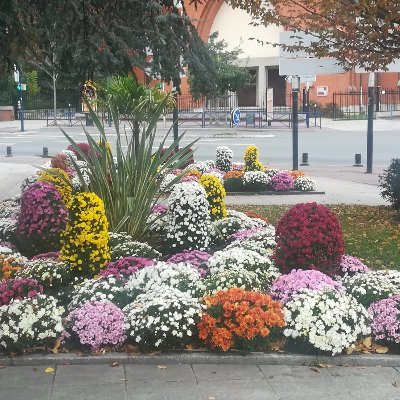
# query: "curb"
273, 193
363, 360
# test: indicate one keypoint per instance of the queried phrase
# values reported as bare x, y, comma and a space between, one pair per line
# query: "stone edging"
365, 360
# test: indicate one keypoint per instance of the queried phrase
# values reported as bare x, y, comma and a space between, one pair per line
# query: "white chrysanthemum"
256, 178
181, 276
305, 184
163, 318
223, 158
329, 320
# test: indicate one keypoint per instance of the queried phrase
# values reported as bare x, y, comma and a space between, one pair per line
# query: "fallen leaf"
132, 349
325, 365
394, 384
161, 366
381, 349
367, 342
189, 347
315, 370
49, 370
57, 345
3, 366
211, 398
346, 365
154, 353
349, 351
114, 364
123, 380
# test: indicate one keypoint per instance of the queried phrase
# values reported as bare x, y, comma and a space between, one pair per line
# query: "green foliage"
390, 183
32, 84
129, 181
228, 74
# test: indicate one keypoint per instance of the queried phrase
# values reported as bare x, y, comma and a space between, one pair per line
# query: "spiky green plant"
129, 183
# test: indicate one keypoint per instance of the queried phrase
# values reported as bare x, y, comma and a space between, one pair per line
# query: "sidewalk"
198, 382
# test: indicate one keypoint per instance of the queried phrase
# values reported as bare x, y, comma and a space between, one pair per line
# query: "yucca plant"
129, 183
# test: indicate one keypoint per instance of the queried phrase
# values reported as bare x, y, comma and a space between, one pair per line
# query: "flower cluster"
228, 279
305, 184
309, 236
157, 220
326, 319
84, 148
256, 180
234, 175
10, 264
29, 322
61, 161
60, 180
386, 319
239, 319
29, 180
189, 220
17, 289
223, 158
352, 265
286, 286
85, 240
251, 161
125, 266
265, 235
196, 258
51, 255
42, 219
271, 172
369, 287
133, 249
180, 276
108, 288
282, 181
95, 324
166, 183
165, 318
296, 174
215, 196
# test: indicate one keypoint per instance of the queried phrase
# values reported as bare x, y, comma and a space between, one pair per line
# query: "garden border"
274, 193
362, 360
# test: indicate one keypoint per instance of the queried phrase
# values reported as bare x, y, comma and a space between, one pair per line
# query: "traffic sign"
235, 116
21, 86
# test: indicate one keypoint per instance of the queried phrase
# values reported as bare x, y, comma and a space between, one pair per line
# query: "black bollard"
304, 159
45, 152
9, 151
357, 160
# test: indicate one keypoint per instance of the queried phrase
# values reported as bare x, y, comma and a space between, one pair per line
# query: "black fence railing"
354, 104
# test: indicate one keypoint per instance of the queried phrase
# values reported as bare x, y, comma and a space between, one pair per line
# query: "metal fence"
354, 104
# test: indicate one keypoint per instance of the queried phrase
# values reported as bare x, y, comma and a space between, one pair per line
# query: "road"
328, 147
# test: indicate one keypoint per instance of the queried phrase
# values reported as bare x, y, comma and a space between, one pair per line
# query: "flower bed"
194, 278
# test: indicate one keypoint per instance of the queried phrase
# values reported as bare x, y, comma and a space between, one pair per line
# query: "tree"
92, 38
228, 76
356, 32
133, 101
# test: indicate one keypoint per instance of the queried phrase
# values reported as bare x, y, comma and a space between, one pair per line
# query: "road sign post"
235, 116
295, 119
370, 129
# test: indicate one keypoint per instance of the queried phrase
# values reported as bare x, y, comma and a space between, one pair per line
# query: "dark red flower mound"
309, 236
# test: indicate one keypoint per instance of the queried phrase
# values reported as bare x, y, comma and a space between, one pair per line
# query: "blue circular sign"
235, 116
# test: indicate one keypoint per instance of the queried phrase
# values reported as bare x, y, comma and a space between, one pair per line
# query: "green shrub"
390, 183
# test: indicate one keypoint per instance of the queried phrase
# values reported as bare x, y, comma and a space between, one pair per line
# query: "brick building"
262, 61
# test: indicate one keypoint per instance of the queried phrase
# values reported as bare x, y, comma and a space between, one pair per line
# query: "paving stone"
163, 391
216, 372
90, 391
70, 375
39, 392
153, 373
255, 389
271, 371
12, 377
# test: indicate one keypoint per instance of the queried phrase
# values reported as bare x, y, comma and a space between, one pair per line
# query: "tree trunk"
55, 98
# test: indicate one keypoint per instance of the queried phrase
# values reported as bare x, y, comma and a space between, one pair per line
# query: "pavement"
198, 382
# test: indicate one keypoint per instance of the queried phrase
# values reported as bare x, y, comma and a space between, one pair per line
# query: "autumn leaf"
114, 364
132, 349
349, 350
367, 342
161, 366
49, 370
315, 370
381, 349
57, 345
325, 365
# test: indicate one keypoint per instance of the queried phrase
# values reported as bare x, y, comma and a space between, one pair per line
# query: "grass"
371, 233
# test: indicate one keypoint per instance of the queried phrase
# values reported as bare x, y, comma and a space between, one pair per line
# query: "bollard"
9, 151
45, 152
304, 159
357, 160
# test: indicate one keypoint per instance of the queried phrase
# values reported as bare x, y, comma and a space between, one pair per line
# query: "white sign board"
322, 91
308, 78
302, 63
